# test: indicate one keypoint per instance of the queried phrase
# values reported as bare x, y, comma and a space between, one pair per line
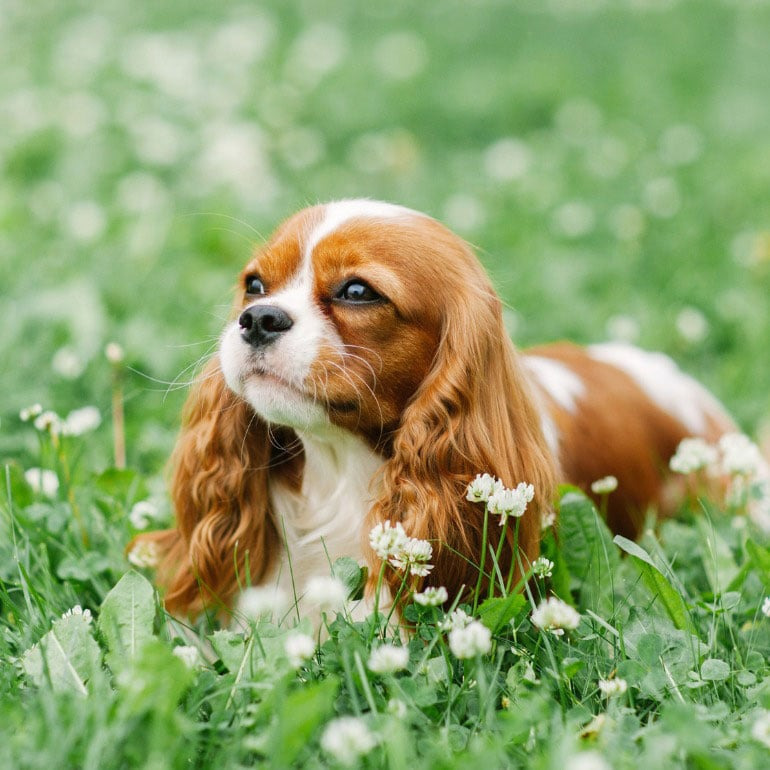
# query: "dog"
366, 377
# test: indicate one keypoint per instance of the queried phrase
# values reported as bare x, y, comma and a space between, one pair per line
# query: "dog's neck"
323, 519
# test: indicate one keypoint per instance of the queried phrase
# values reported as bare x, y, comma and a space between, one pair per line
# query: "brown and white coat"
367, 376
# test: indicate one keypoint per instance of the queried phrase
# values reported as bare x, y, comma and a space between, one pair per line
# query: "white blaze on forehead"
558, 381
335, 214
661, 379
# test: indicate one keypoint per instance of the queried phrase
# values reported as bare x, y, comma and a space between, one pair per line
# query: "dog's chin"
281, 404
271, 396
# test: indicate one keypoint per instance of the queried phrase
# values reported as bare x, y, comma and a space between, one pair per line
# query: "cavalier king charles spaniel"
365, 377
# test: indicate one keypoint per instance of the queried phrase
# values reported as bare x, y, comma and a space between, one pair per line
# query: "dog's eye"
356, 291
254, 285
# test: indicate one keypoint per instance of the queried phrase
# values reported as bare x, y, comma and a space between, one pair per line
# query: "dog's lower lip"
271, 377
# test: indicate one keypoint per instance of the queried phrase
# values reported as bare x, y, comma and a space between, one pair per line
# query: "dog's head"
342, 315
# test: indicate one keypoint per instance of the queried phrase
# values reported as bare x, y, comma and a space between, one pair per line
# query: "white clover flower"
529, 675
628, 225
482, 488
347, 739
554, 615
458, 619
327, 593
49, 422
604, 486
766, 607
740, 455
144, 554
760, 730
80, 421
386, 539
759, 506
749, 484
594, 727
693, 454
609, 688
542, 567
189, 655
431, 597
30, 412
549, 519
387, 659
471, 640
737, 492
114, 352
299, 648
397, 708
262, 602
587, 760
413, 555
511, 502
142, 513
692, 325
68, 363
76, 611
43, 481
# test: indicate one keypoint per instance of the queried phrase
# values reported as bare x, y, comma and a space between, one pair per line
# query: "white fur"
324, 520
558, 381
671, 389
289, 358
286, 400
550, 431
339, 212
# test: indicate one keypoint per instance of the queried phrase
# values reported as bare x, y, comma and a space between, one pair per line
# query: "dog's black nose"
262, 324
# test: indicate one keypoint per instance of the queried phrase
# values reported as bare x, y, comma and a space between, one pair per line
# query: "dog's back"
613, 409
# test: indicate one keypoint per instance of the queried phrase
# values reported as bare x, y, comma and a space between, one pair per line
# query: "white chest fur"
324, 520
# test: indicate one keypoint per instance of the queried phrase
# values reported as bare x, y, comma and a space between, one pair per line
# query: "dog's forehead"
293, 249
335, 215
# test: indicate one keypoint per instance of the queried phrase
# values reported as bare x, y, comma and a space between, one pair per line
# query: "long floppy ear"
472, 414
224, 536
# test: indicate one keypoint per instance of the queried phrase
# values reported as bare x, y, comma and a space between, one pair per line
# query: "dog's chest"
324, 520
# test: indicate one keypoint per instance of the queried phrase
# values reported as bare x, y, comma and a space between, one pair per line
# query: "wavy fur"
472, 414
225, 535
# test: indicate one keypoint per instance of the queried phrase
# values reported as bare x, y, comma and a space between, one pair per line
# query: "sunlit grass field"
610, 162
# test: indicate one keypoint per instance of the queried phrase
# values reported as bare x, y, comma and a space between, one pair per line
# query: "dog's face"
340, 315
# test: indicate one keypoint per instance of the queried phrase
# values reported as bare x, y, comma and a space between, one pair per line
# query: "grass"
679, 620
609, 159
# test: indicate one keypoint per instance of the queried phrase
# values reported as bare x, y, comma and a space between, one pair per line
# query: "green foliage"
230, 648
351, 574
497, 612
297, 717
126, 618
696, 661
590, 559
67, 656
657, 582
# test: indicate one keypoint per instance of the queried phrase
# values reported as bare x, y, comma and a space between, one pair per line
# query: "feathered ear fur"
224, 536
472, 414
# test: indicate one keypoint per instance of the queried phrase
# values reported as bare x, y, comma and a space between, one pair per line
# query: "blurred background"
609, 159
